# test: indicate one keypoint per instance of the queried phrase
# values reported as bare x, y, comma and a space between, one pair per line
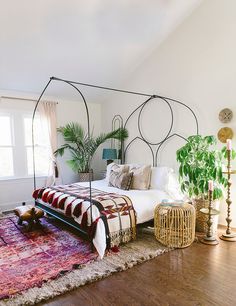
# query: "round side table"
175, 225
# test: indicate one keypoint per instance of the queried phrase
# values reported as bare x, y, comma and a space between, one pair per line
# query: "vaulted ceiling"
93, 41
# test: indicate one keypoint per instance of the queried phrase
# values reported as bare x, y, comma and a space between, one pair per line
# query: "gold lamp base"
228, 237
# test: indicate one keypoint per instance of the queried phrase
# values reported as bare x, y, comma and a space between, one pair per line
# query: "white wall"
196, 65
14, 191
68, 111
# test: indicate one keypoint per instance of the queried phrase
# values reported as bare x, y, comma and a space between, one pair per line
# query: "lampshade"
109, 154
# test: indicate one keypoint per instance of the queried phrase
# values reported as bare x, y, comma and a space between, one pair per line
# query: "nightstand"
174, 224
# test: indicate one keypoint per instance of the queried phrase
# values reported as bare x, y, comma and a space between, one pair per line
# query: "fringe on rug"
122, 236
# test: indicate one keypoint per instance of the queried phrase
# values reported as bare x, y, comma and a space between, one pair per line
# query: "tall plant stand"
210, 238
229, 236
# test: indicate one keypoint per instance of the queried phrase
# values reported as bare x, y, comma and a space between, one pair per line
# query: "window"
16, 141
41, 151
6, 146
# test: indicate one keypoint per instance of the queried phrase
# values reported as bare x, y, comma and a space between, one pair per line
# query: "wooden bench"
29, 214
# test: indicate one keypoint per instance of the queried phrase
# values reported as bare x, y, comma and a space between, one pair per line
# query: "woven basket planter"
201, 219
84, 176
175, 225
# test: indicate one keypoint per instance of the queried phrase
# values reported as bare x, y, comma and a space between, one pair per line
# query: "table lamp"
109, 155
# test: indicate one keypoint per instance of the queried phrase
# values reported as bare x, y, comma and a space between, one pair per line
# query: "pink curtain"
47, 112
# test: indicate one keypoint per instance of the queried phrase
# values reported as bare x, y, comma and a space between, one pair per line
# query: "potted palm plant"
200, 162
82, 147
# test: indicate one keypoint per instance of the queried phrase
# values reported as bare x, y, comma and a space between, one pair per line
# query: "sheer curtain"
47, 113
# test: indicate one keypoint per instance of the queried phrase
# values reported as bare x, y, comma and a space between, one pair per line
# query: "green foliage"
82, 147
200, 162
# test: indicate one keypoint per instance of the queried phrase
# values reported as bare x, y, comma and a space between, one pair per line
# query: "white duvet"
144, 201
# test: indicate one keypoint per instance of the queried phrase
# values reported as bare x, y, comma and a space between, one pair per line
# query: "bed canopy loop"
139, 121
133, 141
117, 122
155, 146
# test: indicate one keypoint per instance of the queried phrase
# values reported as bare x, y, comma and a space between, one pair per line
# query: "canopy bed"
108, 215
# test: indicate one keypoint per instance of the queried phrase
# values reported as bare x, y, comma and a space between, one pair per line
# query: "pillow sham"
109, 171
160, 177
141, 177
120, 179
115, 167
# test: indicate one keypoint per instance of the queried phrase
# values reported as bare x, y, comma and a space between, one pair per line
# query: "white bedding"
144, 201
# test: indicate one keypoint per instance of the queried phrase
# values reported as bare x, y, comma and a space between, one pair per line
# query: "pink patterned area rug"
29, 259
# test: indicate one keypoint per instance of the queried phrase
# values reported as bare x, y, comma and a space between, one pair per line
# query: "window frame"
5, 113
19, 146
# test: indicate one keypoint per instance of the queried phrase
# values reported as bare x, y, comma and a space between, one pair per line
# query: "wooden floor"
197, 275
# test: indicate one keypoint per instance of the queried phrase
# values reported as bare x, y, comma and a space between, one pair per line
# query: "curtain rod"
24, 99
16, 98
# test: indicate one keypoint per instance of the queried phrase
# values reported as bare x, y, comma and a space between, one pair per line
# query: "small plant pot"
84, 176
201, 219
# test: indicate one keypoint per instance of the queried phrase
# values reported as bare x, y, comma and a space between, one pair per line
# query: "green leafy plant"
200, 162
82, 147
224, 152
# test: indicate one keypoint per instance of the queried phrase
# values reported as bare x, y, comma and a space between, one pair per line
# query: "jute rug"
88, 268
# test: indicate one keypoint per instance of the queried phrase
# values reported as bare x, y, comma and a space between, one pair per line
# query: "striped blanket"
116, 211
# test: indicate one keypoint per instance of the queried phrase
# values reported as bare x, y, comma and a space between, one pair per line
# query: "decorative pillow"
120, 179
115, 167
109, 171
141, 177
160, 177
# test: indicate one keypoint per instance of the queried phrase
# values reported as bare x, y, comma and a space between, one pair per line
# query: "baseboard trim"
11, 205
223, 227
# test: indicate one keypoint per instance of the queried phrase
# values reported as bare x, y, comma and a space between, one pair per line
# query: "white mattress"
144, 201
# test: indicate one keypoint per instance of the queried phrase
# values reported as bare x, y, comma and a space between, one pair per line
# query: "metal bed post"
88, 128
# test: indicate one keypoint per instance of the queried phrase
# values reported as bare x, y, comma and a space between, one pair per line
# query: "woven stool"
175, 225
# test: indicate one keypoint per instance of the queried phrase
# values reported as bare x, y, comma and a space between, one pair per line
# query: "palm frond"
60, 151
81, 146
72, 132
119, 134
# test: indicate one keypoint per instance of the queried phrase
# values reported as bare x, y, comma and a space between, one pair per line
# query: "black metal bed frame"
57, 214
154, 147
124, 148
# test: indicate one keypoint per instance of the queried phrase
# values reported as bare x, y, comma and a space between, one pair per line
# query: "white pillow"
173, 188
160, 177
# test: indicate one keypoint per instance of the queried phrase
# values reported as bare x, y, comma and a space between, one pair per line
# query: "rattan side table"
175, 224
